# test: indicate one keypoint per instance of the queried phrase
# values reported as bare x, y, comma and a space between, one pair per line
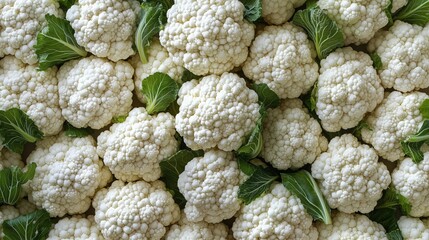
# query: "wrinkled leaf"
160, 91
33, 226
411, 146
253, 9
266, 96
415, 12
11, 180
258, 183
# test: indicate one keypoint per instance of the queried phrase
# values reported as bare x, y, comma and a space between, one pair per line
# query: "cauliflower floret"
210, 187
76, 228
404, 52
94, 90
414, 228
356, 167
359, 20
396, 118
279, 11
351, 226
34, 92
105, 27
283, 58
397, 4
133, 149
67, 175
20, 22
348, 88
276, 215
206, 36
218, 111
291, 137
135, 211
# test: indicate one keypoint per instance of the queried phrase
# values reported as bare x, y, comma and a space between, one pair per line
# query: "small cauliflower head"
20, 22
291, 137
206, 36
77, 228
210, 187
348, 88
94, 90
359, 20
414, 228
279, 11
218, 111
34, 92
133, 149
276, 215
396, 118
351, 226
9, 158
135, 211
105, 27
283, 58
356, 167
404, 52
67, 175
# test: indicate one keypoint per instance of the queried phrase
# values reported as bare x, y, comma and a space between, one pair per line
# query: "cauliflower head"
218, 111
283, 58
77, 228
206, 36
291, 137
105, 27
94, 90
279, 11
9, 158
133, 149
414, 228
135, 211
396, 118
348, 88
356, 167
404, 52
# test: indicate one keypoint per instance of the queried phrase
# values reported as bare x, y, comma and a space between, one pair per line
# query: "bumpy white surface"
218, 111
9, 158
396, 118
291, 137
279, 11
135, 211
397, 4
404, 52
77, 228
34, 92
283, 58
105, 27
206, 36
94, 90
350, 176
414, 228
67, 175
348, 88
133, 149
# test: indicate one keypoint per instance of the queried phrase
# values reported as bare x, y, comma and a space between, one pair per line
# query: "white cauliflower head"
291, 137
283, 58
76, 228
133, 149
348, 88
414, 228
404, 52
105, 27
34, 92
218, 111
9, 158
206, 36
137, 210
279, 11
94, 90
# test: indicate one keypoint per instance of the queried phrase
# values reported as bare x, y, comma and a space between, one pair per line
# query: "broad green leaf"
11, 180
119, 119
33, 226
258, 183
74, 132
252, 9
66, 4
253, 146
174, 108
188, 76
302, 185
387, 218
311, 4
415, 12
376, 61
266, 96
394, 235
246, 167
424, 109
56, 43
17, 129
160, 91
411, 146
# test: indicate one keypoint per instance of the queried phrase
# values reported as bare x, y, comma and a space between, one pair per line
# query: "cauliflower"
414, 228
283, 58
135, 211
396, 118
397, 4
291, 137
9, 158
34, 92
133, 149
105, 27
218, 111
404, 52
206, 36
67, 175
348, 88
279, 11
350, 176
77, 228
94, 90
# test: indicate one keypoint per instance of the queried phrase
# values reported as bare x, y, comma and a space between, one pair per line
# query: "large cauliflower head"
348, 88
133, 149
279, 11
218, 111
94, 90
77, 228
283, 58
137, 210
414, 228
356, 167
207, 36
